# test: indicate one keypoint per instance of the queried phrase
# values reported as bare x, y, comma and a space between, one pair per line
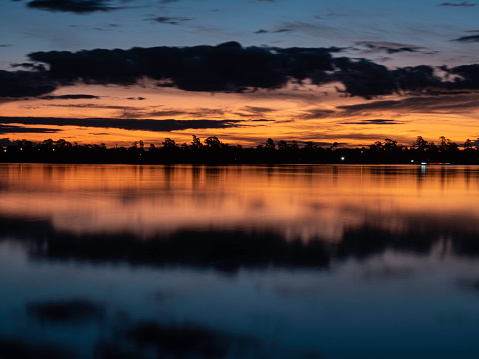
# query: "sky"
352, 72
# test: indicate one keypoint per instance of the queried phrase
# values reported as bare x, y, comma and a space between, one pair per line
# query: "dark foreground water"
239, 262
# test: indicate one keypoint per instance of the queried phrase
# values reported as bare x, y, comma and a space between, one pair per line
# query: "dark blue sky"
424, 29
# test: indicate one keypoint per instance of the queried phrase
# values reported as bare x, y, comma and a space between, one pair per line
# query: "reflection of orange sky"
288, 110
296, 201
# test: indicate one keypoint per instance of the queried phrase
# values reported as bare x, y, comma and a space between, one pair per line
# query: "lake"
291, 261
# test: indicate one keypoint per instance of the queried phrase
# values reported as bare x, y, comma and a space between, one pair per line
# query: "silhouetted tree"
196, 143
420, 143
213, 142
169, 143
270, 144
468, 144
282, 145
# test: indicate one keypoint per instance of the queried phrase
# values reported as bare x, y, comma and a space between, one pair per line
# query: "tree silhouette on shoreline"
213, 151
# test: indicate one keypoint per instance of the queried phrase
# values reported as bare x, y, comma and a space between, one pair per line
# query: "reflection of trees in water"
13, 348
230, 250
128, 339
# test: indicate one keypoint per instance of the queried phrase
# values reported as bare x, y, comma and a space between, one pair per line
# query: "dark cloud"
257, 110
464, 4
74, 6
378, 121
472, 38
69, 97
253, 111
426, 104
283, 30
6, 45
468, 77
392, 47
169, 20
24, 84
262, 120
136, 98
365, 78
31, 66
125, 124
91, 105
17, 129
261, 31
228, 67
224, 68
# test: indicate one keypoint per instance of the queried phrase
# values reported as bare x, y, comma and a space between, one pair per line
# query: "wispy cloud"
471, 38
392, 47
377, 121
426, 104
125, 124
70, 97
169, 20
457, 4
4, 129
73, 6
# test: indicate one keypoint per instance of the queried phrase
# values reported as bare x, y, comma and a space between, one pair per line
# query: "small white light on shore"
342, 158
412, 161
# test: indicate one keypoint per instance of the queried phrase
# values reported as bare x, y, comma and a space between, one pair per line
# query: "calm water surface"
239, 261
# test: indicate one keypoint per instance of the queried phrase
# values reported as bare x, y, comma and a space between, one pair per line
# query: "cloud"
69, 97
17, 129
124, 124
463, 4
316, 113
261, 31
169, 20
378, 121
254, 111
91, 105
472, 38
392, 47
167, 113
6, 45
426, 104
24, 84
284, 29
229, 68
224, 68
74, 6
468, 76
202, 112
136, 98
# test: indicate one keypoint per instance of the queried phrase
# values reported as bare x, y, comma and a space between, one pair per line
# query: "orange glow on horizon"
297, 113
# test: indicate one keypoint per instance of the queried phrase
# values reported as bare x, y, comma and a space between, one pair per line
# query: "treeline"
213, 151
